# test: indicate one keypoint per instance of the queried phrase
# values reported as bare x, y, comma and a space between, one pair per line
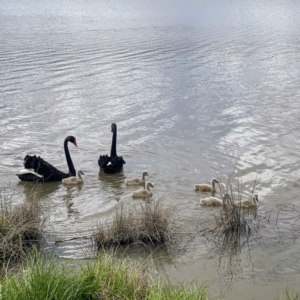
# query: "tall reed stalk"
230, 226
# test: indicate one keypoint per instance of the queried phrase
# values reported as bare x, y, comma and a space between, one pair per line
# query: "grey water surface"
198, 89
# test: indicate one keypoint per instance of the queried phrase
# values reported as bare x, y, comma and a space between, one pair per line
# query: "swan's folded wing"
43, 168
116, 165
73, 179
103, 161
30, 171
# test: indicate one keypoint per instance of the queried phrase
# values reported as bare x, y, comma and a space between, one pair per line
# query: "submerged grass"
153, 223
104, 279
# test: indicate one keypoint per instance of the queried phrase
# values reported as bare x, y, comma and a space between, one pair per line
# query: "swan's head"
113, 127
214, 180
148, 184
255, 197
144, 173
79, 172
72, 140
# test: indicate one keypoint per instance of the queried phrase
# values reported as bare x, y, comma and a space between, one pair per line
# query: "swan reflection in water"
38, 190
112, 183
72, 191
43, 191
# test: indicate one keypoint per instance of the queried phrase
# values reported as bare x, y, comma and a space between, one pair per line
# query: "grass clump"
104, 279
20, 227
152, 222
230, 226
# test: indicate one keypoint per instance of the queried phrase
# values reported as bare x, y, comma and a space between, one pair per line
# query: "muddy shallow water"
195, 89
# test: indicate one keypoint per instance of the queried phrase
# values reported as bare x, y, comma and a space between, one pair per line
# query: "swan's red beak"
75, 143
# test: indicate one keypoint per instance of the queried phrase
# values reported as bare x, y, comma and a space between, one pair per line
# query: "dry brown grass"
153, 223
230, 227
20, 227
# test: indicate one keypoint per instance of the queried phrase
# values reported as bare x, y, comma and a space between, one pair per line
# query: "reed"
153, 223
230, 227
20, 227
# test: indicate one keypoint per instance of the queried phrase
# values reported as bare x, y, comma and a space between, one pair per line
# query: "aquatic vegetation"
230, 226
20, 227
289, 294
144, 222
107, 278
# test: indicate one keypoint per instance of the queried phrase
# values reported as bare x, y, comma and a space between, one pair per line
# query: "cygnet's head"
148, 184
79, 172
255, 197
214, 180
144, 173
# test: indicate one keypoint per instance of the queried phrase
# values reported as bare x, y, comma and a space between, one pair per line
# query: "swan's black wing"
103, 161
115, 166
30, 177
40, 166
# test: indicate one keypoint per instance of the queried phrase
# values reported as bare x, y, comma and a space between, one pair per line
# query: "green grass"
289, 294
104, 279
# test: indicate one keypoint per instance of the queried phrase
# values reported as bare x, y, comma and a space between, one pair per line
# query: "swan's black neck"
113, 151
72, 171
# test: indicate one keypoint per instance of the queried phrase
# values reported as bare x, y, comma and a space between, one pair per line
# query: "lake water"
196, 88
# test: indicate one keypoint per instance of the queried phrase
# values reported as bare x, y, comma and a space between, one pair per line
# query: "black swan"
36, 169
113, 163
